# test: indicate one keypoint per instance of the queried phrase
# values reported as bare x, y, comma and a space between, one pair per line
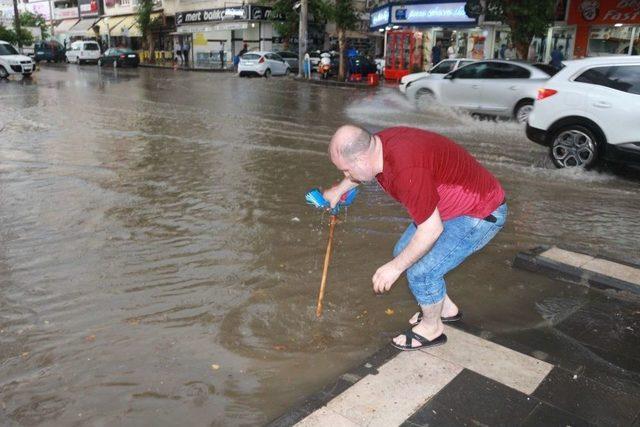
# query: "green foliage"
28, 19
288, 27
526, 18
343, 14
144, 18
9, 35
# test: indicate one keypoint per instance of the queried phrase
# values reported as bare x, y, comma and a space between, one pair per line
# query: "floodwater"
158, 263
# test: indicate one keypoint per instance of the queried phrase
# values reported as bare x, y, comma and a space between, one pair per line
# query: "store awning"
81, 28
134, 31
121, 29
65, 25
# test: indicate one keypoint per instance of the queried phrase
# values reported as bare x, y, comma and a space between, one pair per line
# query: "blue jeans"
462, 236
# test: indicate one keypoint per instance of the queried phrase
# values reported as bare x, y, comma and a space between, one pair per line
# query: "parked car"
83, 51
291, 59
494, 87
50, 51
590, 111
11, 62
263, 64
437, 71
119, 57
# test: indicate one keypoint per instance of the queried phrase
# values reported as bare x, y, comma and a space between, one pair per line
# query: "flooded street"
158, 262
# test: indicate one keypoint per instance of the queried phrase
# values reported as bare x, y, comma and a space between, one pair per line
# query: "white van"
83, 51
11, 62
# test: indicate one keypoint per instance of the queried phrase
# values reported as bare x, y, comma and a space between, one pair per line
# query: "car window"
443, 68
7, 49
463, 63
276, 57
91, 46
250, 56
286, 54
501, 70
472, 71
549, 69
623, 78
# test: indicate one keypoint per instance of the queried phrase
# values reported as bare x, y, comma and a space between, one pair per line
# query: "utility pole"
16, 23
302, 35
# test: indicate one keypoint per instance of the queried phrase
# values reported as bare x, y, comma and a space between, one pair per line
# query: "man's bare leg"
430, 327
449, 309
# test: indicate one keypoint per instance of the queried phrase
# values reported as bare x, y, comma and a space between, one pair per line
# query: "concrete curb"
201, 70
335, 83
535, 262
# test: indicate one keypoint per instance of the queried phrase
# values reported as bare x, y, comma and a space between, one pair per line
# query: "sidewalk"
580, 368
170, 66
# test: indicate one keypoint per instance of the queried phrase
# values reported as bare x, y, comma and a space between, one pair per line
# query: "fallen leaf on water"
25, 354
279, 347
389, 312
215, 367
90, 338
133, 321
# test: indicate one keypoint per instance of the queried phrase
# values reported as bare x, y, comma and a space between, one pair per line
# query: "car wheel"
522, 111
287, 72
574, 146
267, 73
424, 97
3, 73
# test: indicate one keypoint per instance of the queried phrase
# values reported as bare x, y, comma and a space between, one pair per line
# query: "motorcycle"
324, 67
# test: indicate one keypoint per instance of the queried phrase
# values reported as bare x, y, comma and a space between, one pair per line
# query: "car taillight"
261, 60
123, 56
545, 93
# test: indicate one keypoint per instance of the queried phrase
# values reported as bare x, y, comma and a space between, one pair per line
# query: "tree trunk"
341, 48
152, 48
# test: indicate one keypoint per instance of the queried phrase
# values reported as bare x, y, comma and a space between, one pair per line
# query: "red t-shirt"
424, 170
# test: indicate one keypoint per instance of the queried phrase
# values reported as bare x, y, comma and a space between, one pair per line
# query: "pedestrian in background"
186, 49
510, 53
436, 53
557, 57
177, 49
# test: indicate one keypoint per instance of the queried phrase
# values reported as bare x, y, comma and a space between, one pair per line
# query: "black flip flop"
424, 343
449, 319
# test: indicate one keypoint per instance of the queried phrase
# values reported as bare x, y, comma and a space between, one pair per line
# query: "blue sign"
430, 13
379, 18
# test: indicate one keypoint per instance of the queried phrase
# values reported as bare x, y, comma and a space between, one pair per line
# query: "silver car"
291, 59
437, 71
494, 87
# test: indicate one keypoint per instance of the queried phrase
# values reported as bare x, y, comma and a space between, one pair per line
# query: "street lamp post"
106, 22
302, 35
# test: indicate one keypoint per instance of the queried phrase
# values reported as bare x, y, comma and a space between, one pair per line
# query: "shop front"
606, 27
419, 34
211, 37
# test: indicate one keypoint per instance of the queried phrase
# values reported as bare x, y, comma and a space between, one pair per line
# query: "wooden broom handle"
327, 258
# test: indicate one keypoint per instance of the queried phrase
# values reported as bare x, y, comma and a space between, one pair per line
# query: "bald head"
350, 141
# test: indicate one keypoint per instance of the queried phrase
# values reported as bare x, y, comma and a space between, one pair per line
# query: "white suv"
11, 62
590, 111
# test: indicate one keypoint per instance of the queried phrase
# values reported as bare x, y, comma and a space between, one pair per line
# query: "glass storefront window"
606, 41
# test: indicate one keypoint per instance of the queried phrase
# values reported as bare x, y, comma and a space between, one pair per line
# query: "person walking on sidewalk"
457, 207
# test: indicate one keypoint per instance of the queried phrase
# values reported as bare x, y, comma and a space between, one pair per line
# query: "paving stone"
588, 399
326, 417
472, 399
401, 386
517, 370
573, 259
548, 416
614, 269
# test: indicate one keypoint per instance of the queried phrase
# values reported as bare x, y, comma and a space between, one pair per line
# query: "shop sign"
264, 13
211, 15
605, 12
379, 18
70, 12
88, 7
434, 13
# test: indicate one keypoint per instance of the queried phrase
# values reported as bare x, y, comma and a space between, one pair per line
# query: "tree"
286, 19
344, 15
148, 24
9, 35
28, 19
526, 18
